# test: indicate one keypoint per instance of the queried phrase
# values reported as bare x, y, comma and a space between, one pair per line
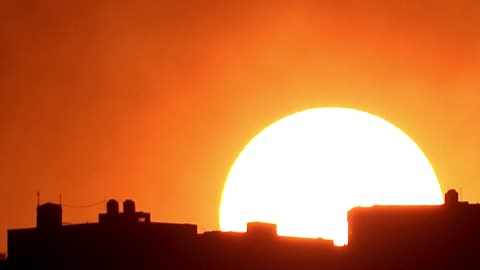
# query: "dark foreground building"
417, 237
380, 237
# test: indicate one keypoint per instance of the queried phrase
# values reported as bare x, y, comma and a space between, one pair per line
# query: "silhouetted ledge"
380, 237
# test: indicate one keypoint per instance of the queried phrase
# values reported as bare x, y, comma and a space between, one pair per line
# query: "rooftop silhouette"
380, 237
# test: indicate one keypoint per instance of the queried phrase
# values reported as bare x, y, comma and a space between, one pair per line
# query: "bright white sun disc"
307, 170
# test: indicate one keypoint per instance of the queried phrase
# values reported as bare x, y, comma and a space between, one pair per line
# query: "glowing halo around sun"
305, 171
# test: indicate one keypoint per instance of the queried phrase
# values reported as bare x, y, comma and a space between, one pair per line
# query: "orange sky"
153, 101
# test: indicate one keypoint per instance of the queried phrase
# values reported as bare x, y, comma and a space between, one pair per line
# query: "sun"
305, 171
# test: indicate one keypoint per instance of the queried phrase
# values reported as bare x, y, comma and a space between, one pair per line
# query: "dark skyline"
379, 237
154, 100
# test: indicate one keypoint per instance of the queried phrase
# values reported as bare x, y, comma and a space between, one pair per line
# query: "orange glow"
307, 170
153, 100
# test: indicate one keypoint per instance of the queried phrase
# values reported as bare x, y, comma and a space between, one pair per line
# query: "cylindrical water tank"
451, 197
49, 216
112, 207
129, 207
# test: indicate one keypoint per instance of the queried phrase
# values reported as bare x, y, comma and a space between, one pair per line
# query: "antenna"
38, 198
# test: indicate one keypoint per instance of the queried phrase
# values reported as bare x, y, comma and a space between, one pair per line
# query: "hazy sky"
153, 100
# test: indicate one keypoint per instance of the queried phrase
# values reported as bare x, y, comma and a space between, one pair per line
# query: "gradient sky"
153, 100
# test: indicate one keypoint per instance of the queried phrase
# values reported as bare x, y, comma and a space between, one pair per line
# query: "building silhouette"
437, 236
380, 237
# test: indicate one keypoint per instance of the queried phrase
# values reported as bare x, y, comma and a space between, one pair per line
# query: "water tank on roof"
129, 207
112, 207
49, 216
451, 197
